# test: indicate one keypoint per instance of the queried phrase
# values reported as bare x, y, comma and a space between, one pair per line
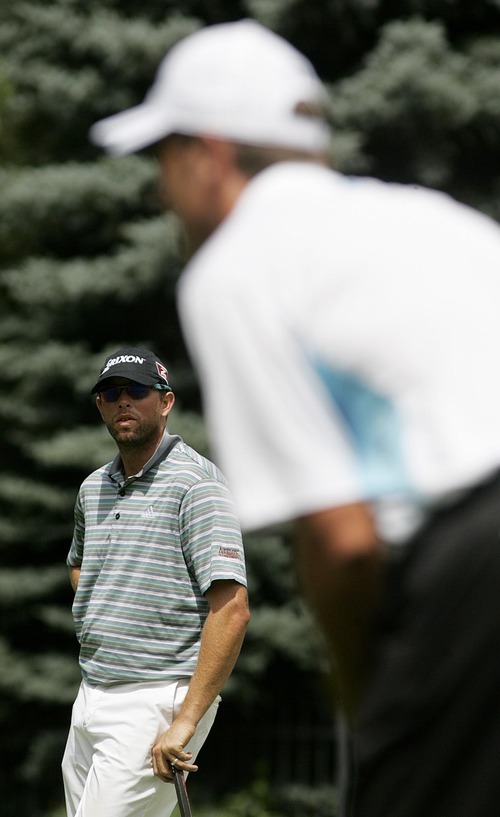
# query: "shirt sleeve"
276, 435
211, 535
75, 555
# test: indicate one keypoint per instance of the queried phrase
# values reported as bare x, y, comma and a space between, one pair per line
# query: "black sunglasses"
134, 390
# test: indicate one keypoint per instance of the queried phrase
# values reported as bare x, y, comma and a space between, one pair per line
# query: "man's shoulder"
190, 466
289, 185
96, 478
264, 220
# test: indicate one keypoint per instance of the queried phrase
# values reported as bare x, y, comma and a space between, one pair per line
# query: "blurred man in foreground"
346, 336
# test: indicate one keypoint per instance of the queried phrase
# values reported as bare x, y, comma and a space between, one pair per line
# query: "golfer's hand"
169, 750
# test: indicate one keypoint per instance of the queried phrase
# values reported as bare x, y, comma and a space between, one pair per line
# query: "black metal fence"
289, 762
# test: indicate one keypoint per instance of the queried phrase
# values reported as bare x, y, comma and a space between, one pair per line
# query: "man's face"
135, 422
177, 159
190, 185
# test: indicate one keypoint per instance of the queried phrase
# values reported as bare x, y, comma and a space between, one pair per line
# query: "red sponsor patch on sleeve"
229, 553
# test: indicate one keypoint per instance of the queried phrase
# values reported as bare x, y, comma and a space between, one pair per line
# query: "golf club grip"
181, 791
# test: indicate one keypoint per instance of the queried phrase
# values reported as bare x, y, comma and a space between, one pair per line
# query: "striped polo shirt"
149, 547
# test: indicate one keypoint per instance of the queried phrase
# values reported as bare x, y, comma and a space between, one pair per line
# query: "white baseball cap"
238, 81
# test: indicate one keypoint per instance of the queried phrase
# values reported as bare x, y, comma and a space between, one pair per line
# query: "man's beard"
140, 437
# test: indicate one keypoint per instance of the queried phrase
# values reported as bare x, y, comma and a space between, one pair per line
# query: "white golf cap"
238, 81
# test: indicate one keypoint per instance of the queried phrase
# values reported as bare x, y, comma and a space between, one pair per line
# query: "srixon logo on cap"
162, 371
123, 359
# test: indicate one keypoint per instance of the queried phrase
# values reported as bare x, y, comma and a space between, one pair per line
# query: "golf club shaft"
181, 791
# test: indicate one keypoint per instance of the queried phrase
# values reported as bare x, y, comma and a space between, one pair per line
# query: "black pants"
427, 741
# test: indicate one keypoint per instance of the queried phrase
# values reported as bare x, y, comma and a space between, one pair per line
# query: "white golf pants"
107, 769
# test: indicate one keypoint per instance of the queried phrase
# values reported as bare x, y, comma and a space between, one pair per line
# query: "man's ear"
98, 402
168, 398
227, 179
221, 154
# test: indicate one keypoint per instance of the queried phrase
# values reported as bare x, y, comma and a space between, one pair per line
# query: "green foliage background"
88, 263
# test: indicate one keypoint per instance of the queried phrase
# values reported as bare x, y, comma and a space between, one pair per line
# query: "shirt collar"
167, 443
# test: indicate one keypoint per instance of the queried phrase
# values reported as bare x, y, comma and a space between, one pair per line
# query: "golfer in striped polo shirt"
160, 605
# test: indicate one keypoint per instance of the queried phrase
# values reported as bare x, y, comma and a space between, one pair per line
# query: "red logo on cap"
162, 371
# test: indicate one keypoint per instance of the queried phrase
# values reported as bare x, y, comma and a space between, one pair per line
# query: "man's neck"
134, 460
